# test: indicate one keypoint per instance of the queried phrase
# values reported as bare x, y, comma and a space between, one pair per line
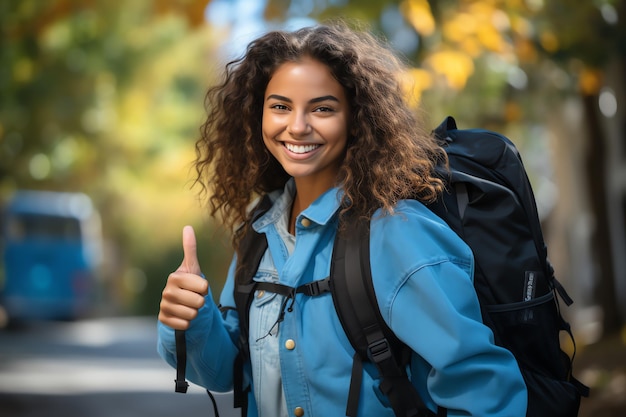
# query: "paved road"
93, 368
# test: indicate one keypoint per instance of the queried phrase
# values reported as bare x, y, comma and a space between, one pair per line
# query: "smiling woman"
314, 124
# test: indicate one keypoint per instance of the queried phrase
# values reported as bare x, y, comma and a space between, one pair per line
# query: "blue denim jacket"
422, 274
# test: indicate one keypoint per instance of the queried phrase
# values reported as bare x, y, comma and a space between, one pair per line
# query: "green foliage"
106, 97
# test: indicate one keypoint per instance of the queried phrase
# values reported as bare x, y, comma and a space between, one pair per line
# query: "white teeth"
301, 148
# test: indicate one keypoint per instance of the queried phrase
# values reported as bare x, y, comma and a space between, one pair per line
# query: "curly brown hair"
389, 156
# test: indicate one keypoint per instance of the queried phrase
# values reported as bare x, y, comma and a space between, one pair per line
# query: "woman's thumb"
190, 256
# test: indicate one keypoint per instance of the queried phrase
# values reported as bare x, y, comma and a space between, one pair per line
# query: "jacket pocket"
262, 297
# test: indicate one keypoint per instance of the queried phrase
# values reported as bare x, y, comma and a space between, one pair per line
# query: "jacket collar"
321, 211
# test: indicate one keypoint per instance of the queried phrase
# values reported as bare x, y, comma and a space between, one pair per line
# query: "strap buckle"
316, 287
181, 386
379, 351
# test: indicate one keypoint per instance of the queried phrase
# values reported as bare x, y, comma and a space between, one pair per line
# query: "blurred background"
100, 106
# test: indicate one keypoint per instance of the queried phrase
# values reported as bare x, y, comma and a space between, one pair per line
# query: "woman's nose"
298, 124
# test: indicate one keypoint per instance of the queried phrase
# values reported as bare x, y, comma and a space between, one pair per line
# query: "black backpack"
491, 206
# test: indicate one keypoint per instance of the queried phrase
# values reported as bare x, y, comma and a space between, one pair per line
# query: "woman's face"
305, 121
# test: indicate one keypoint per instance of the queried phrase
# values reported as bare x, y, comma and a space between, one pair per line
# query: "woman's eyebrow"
324, 98
313, 100
277, 97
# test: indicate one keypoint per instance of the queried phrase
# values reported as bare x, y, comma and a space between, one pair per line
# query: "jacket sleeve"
211, 342
427, 298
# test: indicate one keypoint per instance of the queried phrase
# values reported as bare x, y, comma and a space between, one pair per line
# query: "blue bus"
52, 250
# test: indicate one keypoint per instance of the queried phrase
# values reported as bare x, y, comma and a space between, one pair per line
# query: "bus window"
40, 226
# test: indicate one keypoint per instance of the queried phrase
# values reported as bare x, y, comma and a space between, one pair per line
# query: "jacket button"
290, 344
260, 294
298, 411
305, 222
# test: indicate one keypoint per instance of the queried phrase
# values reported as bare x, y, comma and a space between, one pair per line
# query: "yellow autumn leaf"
419, 15
490, 38
455, 66
459, 27
589, 81
549, 41
471, 46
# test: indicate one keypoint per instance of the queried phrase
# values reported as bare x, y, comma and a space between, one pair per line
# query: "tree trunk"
600, 238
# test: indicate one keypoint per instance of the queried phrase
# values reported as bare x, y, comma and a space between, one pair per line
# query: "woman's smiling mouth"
300, 149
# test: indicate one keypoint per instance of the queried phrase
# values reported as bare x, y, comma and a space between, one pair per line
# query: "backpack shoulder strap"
355, 302
254, 246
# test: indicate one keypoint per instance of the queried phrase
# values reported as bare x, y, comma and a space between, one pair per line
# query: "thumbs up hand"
185, 289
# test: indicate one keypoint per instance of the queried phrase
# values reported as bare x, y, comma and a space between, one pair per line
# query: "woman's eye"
278, 107
323, 109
